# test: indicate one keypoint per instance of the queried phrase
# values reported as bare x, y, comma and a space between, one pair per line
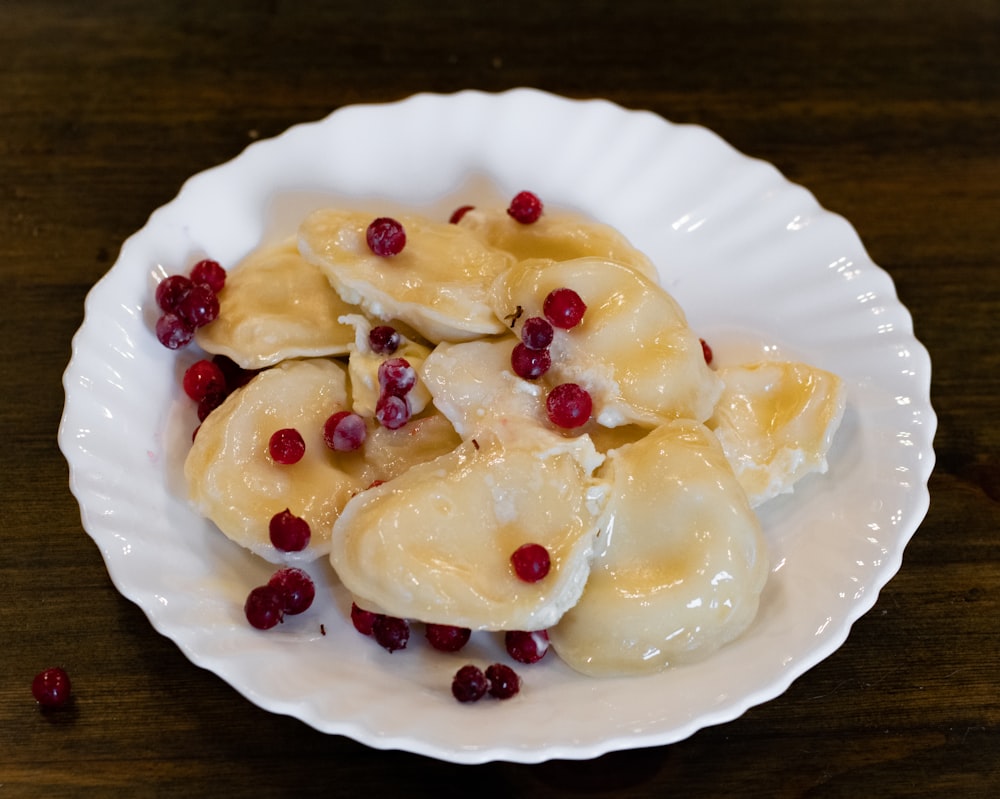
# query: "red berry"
236, 375
563, 308
344, 431
396, 377
296, 588
385, 237
469, 684
203, 378
568, 405
706, 351
528, 363
392, 633
210, 272
199, 307
173, 332
264, 607
537, 333
362, 619
392, 412
531, 562
525, 208
384, 339
504, 682
288, 532
446, 637
171, 290
286, 446
209, 404
51, 688
459, 212
527, 647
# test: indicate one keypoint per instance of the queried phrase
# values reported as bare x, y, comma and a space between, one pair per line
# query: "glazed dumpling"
633, 350
683, 560
435, 543
232, 479
437, 284
776, 421
276, 305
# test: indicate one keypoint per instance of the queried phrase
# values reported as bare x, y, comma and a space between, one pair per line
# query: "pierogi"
683, 560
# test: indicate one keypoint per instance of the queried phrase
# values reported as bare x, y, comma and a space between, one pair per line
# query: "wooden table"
889, 112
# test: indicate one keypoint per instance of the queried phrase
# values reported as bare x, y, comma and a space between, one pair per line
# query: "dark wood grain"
889, 112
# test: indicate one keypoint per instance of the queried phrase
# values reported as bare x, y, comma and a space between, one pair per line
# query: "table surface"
888, 112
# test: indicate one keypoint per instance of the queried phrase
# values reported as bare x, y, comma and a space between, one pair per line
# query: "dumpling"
437, 284
683, 560
435, 543
776, 421
633, 351
276, 305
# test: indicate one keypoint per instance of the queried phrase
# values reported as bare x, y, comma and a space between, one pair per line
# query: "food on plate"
517, 431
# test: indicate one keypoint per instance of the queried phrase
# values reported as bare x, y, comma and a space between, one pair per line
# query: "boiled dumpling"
275, 305
683, 560
633, 351
437, 284
776, 421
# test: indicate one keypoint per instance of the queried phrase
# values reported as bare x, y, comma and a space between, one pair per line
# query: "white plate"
759, 267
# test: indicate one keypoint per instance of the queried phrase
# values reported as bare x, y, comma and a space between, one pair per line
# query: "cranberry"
392, 411
391, 632
384, 339
385, 237
504, 682
51, 688
203, 378
264, 607
536, 333
209, 404
527, 647
171, 290
396, 377
199, 307
236, 375
568, 405
288, 532
296, 587
531, 562
525, 208
362, 619
210, 272
528, 363
286, 446
459, 212
706, 351
469, 684
446, 637
563, 308
173, 332
344, 431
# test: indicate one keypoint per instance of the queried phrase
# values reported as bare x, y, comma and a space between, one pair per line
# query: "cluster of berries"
187, 303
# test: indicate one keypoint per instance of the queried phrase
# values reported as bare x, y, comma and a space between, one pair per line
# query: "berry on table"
531, 562
51, 687
385, 237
